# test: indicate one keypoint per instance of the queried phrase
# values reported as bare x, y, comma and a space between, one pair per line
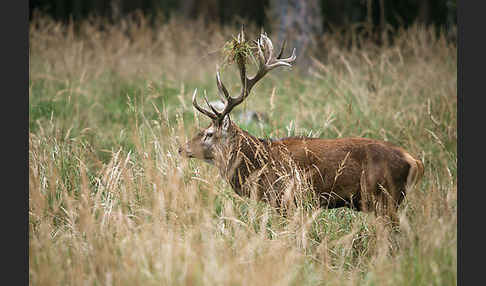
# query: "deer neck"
244, 155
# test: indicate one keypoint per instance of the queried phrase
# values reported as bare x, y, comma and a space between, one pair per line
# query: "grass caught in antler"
236, 50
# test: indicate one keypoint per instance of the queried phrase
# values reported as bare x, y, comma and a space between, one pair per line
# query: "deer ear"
226, 122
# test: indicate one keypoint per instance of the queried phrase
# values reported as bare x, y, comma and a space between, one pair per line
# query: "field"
111, 202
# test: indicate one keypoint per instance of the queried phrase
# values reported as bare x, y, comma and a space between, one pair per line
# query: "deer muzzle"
185, 151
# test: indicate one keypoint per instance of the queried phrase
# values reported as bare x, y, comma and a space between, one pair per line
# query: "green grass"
112, 202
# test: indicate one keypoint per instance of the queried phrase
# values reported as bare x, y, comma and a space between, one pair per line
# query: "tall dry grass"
112, 203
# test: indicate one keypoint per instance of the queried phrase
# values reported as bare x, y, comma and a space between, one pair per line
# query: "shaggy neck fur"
243, 155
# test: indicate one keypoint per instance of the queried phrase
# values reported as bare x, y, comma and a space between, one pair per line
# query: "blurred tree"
224, 12
208, 10
300, 22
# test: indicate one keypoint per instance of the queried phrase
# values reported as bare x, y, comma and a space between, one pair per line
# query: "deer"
363, 174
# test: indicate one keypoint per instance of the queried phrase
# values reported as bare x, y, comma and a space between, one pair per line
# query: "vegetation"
112, 203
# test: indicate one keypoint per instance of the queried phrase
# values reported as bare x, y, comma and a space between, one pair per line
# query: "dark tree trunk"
300, 22
208, 10
424, 12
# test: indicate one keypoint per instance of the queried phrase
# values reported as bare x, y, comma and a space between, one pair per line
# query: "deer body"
339, 170
361, 173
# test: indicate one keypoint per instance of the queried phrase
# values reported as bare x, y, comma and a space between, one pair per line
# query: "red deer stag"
361, 173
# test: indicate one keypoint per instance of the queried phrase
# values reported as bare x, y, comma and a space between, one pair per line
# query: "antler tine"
282, 49
223, 92
261, 56
290, 59
210, 105
266, 62
202, 110
272, 60
268, 47
241, 35
231, 102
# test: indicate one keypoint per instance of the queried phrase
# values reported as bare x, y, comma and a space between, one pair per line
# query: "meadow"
111, 202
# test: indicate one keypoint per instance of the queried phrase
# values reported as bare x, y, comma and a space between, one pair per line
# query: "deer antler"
266, 62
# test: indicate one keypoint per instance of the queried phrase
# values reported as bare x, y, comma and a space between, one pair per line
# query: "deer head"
216, 140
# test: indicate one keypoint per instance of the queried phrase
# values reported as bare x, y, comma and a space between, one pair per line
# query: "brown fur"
360, 173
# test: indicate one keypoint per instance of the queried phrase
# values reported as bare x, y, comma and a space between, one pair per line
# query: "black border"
14, 28
470, 80
460, 182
